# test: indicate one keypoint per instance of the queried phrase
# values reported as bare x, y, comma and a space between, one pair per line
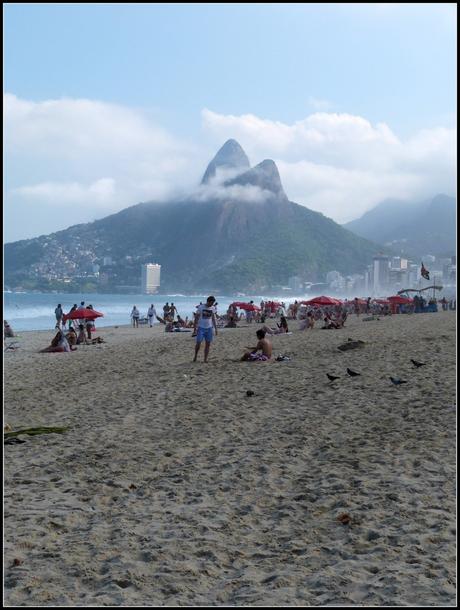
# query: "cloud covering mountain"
240, 234
76, 160
342, 165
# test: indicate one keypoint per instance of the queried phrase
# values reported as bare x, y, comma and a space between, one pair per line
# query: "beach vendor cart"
419, 298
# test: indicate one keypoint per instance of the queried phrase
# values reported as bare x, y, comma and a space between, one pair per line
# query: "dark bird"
353, 373
396, 381
331, 377
249, 393
417, 364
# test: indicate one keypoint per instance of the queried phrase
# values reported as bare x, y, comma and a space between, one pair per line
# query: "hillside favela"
193, 194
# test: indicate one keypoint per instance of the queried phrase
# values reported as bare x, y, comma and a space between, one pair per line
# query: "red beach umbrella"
82, 314
246, 306
322, 300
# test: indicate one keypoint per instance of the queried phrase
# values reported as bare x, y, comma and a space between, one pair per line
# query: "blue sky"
177, 80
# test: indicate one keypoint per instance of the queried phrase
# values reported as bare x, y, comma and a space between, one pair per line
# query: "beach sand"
173, 487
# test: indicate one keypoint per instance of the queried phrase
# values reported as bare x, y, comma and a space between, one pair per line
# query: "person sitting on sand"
281, 329
181, 322
81, 337
263, 346
7, 330
58, 344
329, 322
72, 337
341, 319
309, 321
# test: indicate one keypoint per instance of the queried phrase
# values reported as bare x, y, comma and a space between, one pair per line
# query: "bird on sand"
397, 381
417, 364
353, 373
332, 377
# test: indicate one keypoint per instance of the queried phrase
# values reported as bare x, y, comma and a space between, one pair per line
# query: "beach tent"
399, 300
82, 314
322, 300
246, 306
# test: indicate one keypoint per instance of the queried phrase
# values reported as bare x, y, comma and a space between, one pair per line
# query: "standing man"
58, 313
250, 313
81, 321
151, 314
135, 317
71, 322
205, 320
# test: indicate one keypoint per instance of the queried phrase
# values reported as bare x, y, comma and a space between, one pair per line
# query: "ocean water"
34, 311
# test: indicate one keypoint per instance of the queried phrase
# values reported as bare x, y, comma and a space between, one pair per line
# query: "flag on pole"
424, 272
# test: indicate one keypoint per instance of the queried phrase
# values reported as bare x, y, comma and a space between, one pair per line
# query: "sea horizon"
35, 311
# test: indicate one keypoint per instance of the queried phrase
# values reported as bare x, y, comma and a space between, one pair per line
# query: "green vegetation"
35, 431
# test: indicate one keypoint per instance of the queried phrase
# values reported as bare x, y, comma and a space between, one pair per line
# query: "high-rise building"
295, 283
150, 278
398, 263
381, 265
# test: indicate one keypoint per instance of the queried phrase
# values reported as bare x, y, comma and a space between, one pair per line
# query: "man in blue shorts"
205, 320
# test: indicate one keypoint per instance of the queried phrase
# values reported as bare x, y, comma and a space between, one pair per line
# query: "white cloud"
235, 192
98, 193
341, 164
97, 155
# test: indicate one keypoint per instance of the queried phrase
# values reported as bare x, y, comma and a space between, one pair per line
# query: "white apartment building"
150, 278
381, 268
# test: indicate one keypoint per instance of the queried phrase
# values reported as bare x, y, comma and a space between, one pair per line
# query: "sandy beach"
172, 487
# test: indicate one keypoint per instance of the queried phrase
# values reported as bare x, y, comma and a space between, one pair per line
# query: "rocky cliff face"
265, 176
230, 157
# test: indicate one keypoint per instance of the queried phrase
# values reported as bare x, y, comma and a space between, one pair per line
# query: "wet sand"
173, 487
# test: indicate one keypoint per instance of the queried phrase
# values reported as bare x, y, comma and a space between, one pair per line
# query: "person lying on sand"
58, 344
263, 345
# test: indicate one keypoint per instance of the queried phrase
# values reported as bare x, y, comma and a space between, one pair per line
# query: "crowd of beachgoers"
78, 325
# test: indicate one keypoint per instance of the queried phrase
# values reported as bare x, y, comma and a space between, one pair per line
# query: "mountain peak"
229, 156
265, 175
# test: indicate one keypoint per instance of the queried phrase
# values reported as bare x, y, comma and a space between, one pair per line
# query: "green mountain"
411, 228
237, 231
